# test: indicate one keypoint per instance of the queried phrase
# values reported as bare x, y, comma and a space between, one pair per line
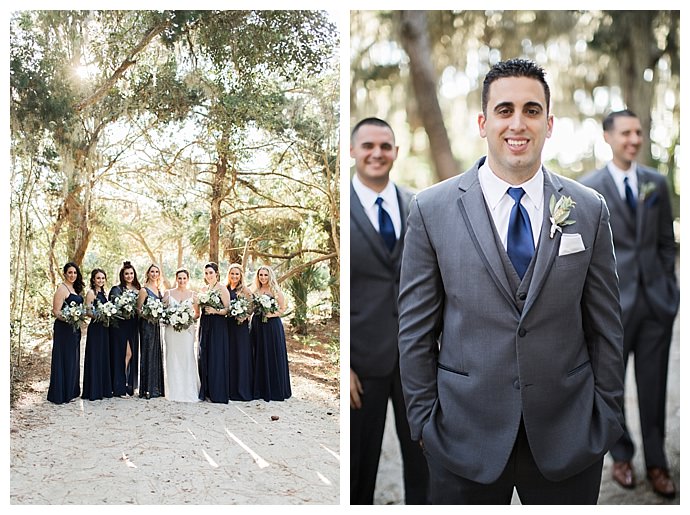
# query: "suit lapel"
547, 248
477, 219
642, 178
614, 200
403, 206
360, 218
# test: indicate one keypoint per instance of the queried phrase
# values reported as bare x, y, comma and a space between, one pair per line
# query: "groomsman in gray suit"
511, 344
378, 213
642, 226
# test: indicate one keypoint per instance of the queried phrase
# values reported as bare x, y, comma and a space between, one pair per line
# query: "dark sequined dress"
151, 359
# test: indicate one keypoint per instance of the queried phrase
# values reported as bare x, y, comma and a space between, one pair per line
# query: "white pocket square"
570, 243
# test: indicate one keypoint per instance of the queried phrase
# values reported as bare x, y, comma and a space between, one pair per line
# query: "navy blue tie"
520, 239
386, 226
629, 197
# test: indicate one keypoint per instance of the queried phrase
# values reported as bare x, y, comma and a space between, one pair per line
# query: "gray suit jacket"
645, 248
477, 356
374, 285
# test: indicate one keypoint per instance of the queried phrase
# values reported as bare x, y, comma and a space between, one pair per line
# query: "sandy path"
134, 451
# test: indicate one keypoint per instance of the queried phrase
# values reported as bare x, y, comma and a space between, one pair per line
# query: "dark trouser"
650, 340
521, 472
366, 434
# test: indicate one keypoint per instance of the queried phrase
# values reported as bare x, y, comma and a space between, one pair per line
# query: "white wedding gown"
182, 376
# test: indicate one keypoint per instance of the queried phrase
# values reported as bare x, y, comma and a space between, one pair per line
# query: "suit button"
522, 332
522, 295
516, 384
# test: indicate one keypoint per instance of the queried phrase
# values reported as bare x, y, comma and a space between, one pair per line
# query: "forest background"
175, 138
179, 137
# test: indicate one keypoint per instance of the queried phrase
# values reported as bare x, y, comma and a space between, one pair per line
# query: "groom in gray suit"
378, 213
642, 226
511, 344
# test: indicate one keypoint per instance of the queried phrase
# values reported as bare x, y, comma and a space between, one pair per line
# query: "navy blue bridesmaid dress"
241, 369
64, 363
214, 359
151, 363
125, 376
97, 383
271, 373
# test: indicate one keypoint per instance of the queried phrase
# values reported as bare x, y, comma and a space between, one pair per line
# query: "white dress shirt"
619, 175
500, 204
368, 197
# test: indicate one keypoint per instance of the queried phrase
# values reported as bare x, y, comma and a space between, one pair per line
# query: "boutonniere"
560, 211
646, 189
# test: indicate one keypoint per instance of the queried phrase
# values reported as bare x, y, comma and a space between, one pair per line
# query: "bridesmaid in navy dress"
124, 337
214, 349
64, 364
151, 363
97, 384
241, 371
271, 373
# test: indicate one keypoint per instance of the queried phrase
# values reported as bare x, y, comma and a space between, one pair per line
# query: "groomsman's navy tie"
520, 239
386, 226
629, 197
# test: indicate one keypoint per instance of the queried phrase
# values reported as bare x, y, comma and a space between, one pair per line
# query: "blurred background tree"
422, 71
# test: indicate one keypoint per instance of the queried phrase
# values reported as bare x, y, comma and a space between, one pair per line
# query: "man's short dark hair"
371, 121
514, 68
608, 122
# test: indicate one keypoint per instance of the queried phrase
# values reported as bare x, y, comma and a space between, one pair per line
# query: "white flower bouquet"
240, 309
265, 305
212, 299
126, 304
105, 312
153, 310
180, 316
74, 314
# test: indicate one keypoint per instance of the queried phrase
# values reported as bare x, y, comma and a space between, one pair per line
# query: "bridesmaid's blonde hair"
240, 284
160, 284
272, 281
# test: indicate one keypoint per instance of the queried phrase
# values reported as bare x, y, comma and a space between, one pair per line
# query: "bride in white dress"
182, 376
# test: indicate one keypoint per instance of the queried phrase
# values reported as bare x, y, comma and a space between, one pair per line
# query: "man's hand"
355, 391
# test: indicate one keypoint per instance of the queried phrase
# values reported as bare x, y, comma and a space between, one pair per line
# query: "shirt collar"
618, 174
368, 197
494, 187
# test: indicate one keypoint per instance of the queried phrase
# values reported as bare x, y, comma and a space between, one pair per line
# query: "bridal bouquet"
265, 305
211, 299
153, 310
74, 314
126, 304
240, 309
105, 312
180, 316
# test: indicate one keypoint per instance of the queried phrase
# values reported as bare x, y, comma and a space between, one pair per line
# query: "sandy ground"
389, 484
136, 451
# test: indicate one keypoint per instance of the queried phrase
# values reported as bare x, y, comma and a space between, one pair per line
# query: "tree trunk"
414, 37
217, 196
635, 57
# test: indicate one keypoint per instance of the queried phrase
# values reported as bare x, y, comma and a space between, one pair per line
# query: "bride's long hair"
182, 271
